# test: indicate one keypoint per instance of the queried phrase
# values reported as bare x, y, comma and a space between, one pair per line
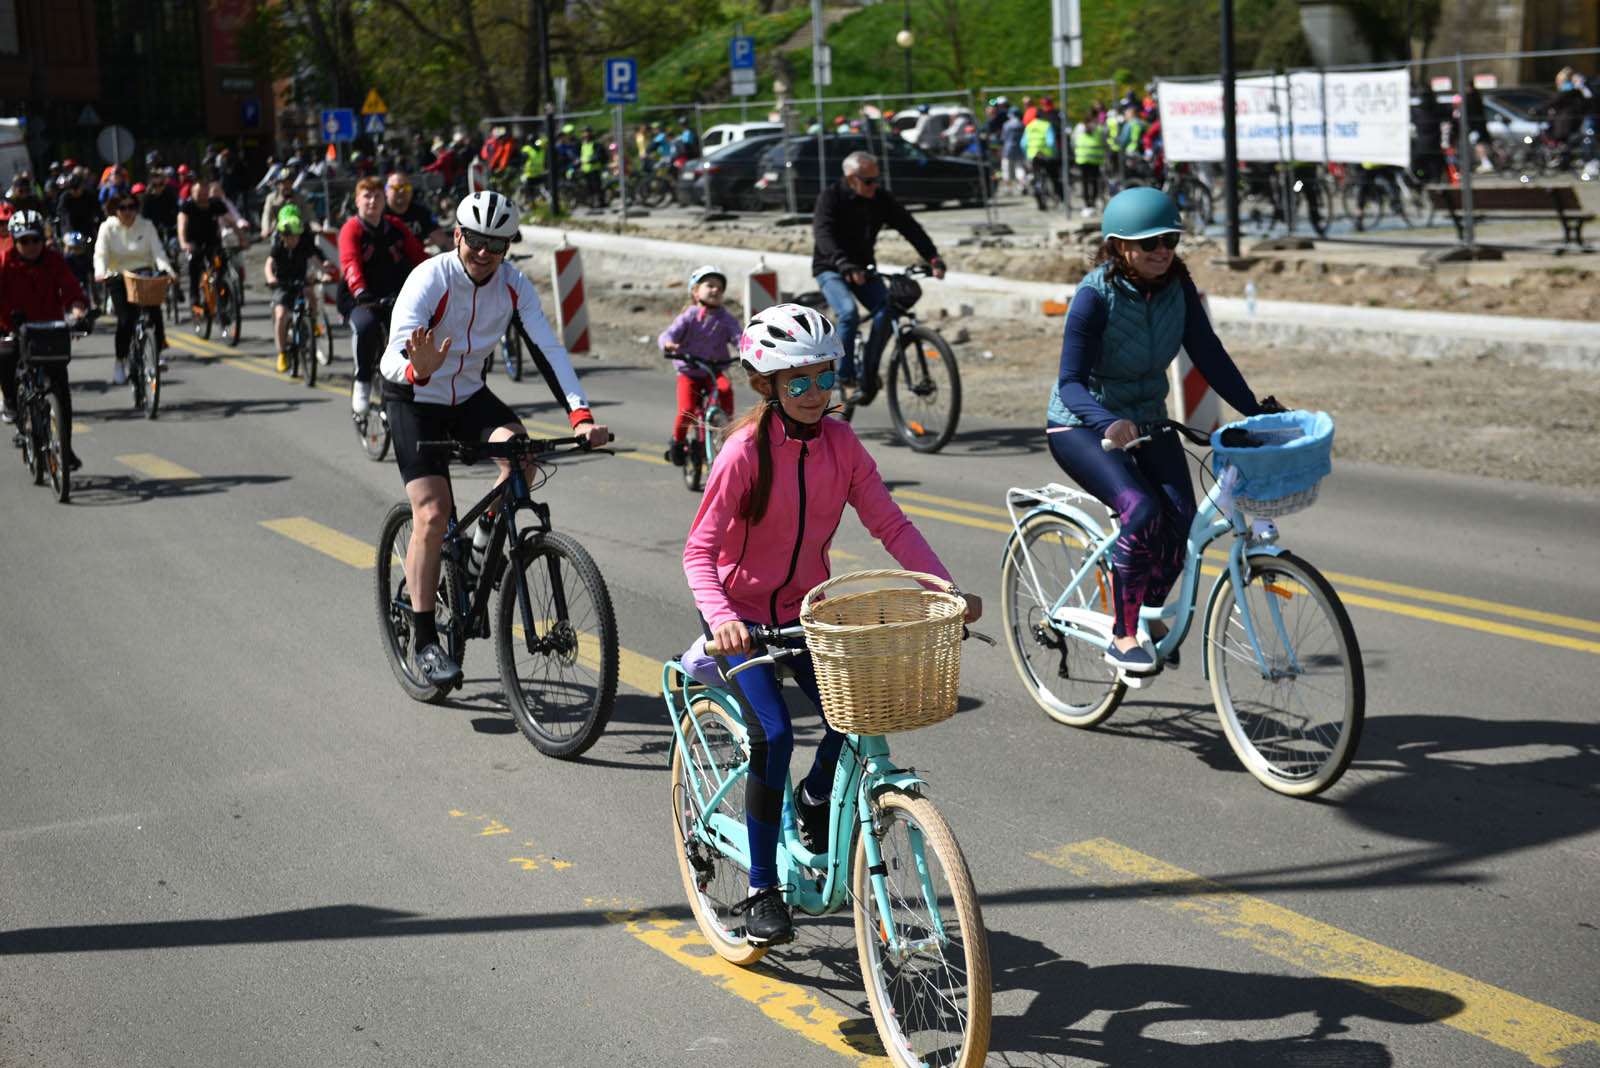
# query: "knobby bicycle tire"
27, 430
305, 354
373, 427
1066, 676
561, 680
931, 1006
1296, 729
135, 368
149, 370
229, 314
924, 389
394, 602
55, 451
712, 880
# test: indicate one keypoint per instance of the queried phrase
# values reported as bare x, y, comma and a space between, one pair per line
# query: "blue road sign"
339, 124
742, 53
622, 81
373, 124
250, 113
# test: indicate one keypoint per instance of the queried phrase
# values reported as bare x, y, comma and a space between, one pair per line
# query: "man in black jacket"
844, 227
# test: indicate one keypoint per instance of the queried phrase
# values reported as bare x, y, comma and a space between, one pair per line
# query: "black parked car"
913, 175
732, 168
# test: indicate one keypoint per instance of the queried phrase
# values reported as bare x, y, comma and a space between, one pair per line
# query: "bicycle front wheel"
713, 880
1293, 716
394, 605
229, 316
924, 389
925, 963
150, 372
28, 432
1066, 676
557, 640
373, 427
511, 347
305, 356
55, 453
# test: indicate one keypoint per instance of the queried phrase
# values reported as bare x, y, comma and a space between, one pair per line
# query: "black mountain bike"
372, 426
41, 420
554, 630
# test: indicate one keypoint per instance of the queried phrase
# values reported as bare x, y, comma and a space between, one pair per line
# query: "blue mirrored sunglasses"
797, 386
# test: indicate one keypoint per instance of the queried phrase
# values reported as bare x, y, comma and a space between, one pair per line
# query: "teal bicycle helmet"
1140, 212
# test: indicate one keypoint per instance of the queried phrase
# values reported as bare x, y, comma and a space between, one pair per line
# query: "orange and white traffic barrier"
571, 313
1189, 398
760, 288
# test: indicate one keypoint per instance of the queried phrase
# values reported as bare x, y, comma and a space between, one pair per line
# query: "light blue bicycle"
1280, 653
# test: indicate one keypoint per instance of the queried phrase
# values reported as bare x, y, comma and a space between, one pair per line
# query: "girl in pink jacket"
760, 542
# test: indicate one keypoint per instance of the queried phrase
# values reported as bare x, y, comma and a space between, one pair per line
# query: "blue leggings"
1149, 488
771, 746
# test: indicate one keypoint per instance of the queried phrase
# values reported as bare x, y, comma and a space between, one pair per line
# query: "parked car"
930, 129
1506, 112
915, 176
732, 170
728, 132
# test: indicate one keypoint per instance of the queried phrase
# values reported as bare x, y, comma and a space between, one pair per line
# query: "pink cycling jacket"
761, 574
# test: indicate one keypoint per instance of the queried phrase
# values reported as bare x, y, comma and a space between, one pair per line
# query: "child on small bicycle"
286, 269
1124, 327
760, 542
704, 329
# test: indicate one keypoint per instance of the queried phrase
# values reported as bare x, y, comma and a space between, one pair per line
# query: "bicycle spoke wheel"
511, 349
305, 355
150, 372
29, 438
394, 605
694, 461
228, 313
1066, 676
1294, 725
1194, 205
924, 390
713, 880
558, 654
206, 301
322, 344
373, 427
926, 963
55, 453
135, 369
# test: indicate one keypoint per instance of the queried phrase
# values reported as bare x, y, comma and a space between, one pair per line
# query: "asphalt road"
228, 838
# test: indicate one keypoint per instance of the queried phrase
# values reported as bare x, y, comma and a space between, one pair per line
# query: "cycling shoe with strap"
434, 665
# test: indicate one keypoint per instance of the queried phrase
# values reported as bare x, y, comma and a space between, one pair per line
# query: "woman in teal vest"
1126, 322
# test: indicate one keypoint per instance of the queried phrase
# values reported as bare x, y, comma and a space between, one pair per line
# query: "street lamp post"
905, 39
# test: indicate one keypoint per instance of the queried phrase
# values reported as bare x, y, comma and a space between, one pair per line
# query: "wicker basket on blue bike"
887, 659
1281, 459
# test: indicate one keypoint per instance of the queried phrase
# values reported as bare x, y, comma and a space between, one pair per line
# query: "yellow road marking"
1536, 1031
259, 365
951, 502
1475, 604
81, 428
786, 1004
152, 466
341, 547
951, 517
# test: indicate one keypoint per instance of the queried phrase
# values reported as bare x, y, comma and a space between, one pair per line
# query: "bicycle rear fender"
1233, 578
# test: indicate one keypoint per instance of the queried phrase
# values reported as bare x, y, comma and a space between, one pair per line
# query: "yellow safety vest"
1087, 146
1036, 140
532, 161
586, 157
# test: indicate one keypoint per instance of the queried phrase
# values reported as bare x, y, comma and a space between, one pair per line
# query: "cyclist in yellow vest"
1039, 147
591, 164
1088, 153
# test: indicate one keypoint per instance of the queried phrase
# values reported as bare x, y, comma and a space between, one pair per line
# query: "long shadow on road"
103, 490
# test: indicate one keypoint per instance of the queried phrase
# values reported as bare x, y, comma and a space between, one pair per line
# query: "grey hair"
856, 160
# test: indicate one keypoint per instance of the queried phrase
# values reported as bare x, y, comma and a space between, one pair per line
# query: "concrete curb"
1554, 343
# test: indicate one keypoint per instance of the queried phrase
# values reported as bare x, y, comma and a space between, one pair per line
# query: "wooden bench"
1516, 202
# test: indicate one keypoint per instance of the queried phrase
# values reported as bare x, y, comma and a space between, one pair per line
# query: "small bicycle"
1280, 653
310, 335
147, 290
555, 633
890, 856
708, 426
41, 421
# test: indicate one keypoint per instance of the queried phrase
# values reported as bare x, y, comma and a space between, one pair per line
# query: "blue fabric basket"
1281, 475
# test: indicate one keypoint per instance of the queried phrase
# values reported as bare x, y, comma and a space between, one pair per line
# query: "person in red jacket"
376, 252
36, 282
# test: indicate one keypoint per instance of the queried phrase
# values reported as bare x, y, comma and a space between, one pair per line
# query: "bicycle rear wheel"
558, 650
1194, 205
511, 349
1066, 676
930, 995
924, 389
712, 879
394, 605
229, 314
1294, 726
55, 453
373, 427
322, 344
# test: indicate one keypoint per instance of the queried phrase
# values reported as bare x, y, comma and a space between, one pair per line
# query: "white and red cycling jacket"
474, 318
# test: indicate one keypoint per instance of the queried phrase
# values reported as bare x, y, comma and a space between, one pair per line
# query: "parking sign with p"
622, 81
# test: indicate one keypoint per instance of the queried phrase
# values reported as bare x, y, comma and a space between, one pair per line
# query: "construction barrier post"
1189, 399
760, 288
572, 315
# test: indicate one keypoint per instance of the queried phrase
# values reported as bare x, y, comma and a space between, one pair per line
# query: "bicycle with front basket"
708, 424
554, 629
890, 856
148, 291
41, 419
1280, 653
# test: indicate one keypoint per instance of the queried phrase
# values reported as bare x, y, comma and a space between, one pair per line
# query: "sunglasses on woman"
798, 385
494, 246
1149, 244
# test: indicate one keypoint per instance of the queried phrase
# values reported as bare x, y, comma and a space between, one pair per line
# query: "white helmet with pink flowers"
788, 336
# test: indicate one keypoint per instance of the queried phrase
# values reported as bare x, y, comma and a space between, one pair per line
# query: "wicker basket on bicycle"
887, 659
146, 290
1281, 459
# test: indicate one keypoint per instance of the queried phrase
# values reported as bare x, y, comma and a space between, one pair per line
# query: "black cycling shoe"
73, 463
767, 920
434, 665
814, 821
677, 453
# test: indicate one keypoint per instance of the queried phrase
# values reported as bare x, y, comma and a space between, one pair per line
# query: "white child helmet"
702, 273
489, 213
787, 336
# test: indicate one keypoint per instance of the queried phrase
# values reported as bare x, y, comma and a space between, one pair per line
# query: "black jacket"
845, 226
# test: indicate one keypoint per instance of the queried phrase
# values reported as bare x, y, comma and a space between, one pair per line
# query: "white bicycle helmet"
27, 222
489, 213
787, 336
701, 273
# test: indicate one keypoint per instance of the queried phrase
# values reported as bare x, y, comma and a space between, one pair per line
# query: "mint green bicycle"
919, 930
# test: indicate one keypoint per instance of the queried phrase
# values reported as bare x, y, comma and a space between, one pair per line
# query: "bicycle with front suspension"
554, 630
1280, 653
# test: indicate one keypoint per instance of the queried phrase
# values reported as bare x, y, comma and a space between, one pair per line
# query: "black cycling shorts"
285, 297
471, 420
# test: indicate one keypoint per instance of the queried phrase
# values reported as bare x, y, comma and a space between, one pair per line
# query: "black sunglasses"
495, 246
867, 181
1149, 244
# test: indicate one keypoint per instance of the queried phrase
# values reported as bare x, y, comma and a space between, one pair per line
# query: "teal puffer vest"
1141, 339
